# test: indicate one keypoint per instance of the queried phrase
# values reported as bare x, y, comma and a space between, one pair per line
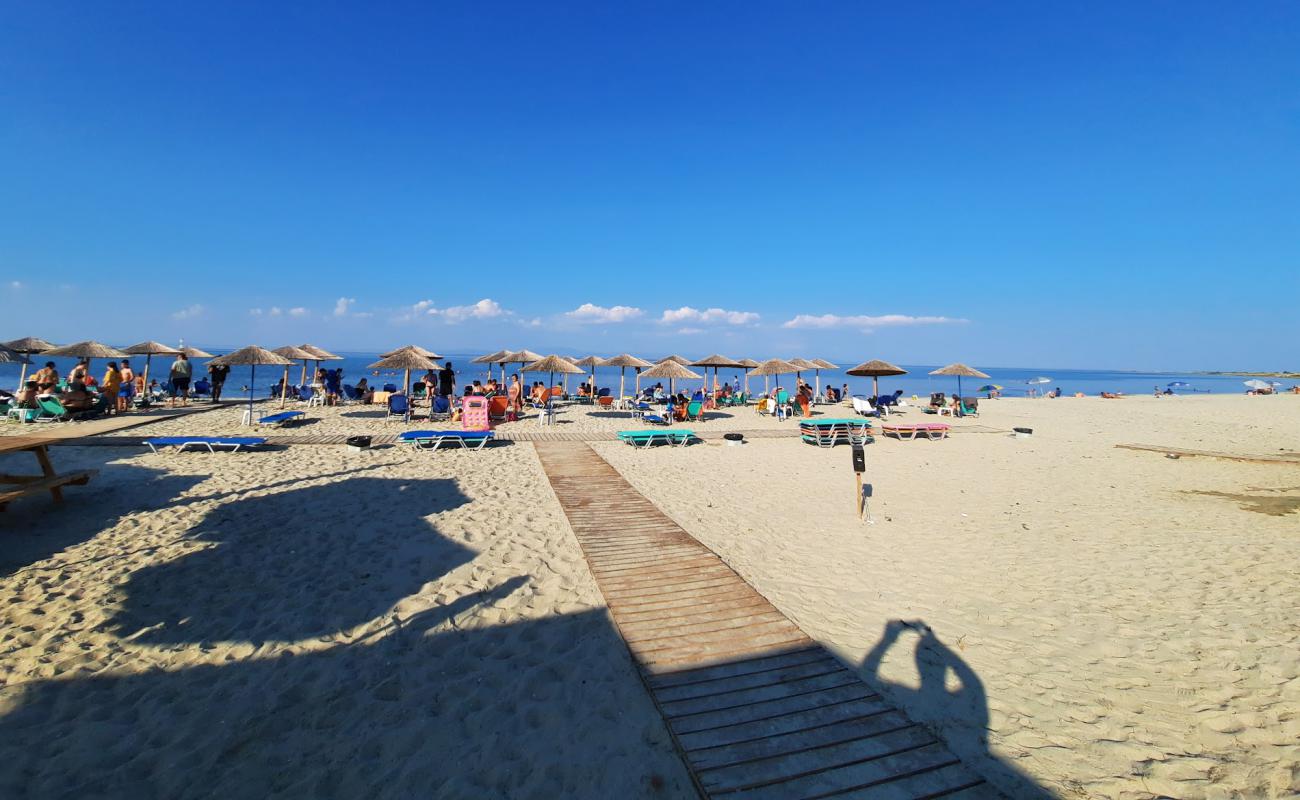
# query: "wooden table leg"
43, 456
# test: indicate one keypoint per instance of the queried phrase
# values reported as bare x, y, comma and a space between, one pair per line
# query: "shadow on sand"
296, 656
958, 715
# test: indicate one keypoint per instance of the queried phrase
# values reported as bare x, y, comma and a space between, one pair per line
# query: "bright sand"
251, 624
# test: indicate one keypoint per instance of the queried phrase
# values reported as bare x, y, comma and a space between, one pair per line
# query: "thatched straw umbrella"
414, 347
27, 346
590, 363
960, 370
774, 366
553, 364
87, 350
685, 362
149, 350
714, 361
624, 361
876, 369
297, 354
252, 356
494, 358
320, 354
747, 364
670, 369
521, 357
194, 352
406, 359
820, 364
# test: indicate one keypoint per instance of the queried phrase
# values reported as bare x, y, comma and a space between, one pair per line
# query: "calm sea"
1013, 380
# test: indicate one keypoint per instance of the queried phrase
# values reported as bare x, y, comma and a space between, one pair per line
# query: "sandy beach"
1104, 623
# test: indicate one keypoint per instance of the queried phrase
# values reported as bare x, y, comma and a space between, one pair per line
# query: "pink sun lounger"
910, 430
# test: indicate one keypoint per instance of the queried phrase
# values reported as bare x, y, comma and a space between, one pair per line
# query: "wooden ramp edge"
756, 708
1263, 458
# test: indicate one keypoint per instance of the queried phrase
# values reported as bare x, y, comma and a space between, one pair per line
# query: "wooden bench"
35, 484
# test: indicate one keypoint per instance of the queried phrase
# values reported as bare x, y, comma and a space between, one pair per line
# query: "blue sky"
1014, 184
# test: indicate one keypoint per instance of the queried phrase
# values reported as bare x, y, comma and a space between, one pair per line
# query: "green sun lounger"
432, 440
830, 432
673, 436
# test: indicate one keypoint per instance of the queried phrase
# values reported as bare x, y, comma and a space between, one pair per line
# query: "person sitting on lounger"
27, 397
76, 398
47, 378
1110, 396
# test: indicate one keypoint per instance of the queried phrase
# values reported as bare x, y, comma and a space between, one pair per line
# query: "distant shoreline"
1256, 374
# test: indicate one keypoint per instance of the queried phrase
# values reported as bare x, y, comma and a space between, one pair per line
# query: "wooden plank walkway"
757, 708
280, 440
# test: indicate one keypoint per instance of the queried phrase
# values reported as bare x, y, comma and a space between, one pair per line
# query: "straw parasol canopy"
685, 362
553, 364
318, 354
297, 354
775, 366
27, 346
150, 349
876, 369
716, 360
494, 358
8, 356
623, 361
521, 357
590, 363
747, 364
406, 358
252, 356
88, 350
415, 347
670, 369
194, 352
961, 371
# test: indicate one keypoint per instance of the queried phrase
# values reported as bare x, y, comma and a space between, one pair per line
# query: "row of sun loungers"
830, 432
644, 439
432, 440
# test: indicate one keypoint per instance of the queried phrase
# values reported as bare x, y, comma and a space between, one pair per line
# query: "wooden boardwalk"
756, 707
288, 439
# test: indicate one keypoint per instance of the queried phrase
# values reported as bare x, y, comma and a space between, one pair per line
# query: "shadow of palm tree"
959, 716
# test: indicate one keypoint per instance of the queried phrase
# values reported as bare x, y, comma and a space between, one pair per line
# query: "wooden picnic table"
48, 480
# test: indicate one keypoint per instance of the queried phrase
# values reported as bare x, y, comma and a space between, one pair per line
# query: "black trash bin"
358, 443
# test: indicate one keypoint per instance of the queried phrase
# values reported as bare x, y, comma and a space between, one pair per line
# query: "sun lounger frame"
432, 440
830, 432
676, 437
914, 429
213, 443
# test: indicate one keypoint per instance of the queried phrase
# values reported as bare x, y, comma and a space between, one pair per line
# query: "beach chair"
52, 410
398, 406
390, 388
439, 408
418, 391
202, 388
545, 411
645, 439
282, 418
695, 411
830, 432
432, 440
349, 394
213, 443
498, 405
970, 407
911, 430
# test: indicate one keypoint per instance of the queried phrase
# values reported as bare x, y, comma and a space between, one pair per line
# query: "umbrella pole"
818, 373
252, 382
284, 386
621, 372
875, 385
302, 378
22, 375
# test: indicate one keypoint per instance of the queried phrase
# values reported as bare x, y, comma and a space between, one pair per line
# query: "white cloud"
297, 312
483, 309
254, 312
189, 312
864, 322
690, 331
343, 305
535, 322
15, 285
591, 313
275, 311
708, 316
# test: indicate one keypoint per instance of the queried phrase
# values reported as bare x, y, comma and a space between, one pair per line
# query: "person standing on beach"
179, 375
446, 381
217, 374
515, 396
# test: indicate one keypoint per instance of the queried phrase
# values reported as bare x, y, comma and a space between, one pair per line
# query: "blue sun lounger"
647, 438
213, 443
284, 417
432, 440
